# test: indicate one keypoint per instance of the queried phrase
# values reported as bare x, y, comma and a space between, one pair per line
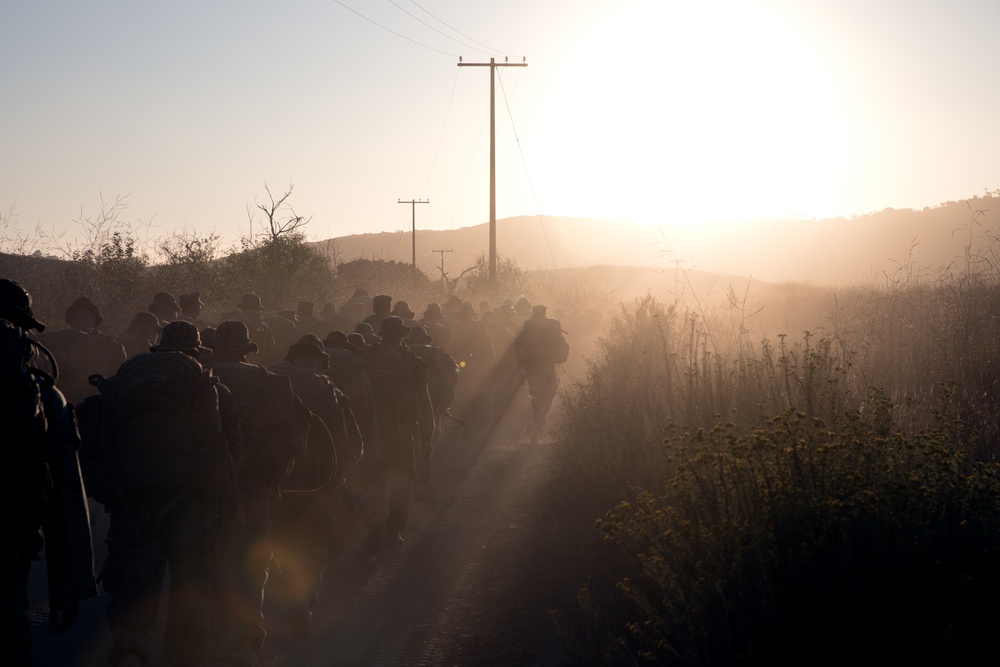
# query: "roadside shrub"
280, 269
798, 543
657, 365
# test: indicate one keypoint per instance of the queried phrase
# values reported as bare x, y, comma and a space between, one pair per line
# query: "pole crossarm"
492, 64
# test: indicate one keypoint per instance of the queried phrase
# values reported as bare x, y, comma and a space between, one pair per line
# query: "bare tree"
280, 217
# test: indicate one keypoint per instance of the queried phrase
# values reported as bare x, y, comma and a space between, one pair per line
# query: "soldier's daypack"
442, 374
160, 428
541, 341
275, 422
327, 442
20, 392
392, 371
26, 477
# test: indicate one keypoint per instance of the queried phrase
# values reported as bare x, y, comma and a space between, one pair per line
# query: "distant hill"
831, 251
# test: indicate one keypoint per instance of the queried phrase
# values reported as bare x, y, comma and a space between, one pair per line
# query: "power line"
441, 136
462, 33
416, 18
527, 174
393, 31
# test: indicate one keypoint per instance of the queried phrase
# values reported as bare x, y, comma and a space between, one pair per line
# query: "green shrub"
798, 543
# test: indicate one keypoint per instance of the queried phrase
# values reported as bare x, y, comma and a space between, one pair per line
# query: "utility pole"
413, 237
444, 281
492, 64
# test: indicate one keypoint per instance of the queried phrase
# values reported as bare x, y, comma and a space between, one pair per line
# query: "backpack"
392, 371
327, 431
442, 374
26, 477
160, 427
275, 422
540, 341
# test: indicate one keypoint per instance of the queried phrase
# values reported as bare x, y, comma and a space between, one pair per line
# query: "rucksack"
21, 408
160, 427
275, 422
541, 341
26, 478
442, 374
392, 371
327, 431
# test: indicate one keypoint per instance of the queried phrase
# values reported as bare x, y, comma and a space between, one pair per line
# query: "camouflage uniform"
164, 306
442, 378
362, 482
306, 524
140, 335
473, 349
381, 309
250, 309
539, 347
156, 523
41, 478
82, 350
403, 404
191, 305
274, 424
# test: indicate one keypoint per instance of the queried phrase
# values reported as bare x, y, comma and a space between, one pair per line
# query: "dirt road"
470, 586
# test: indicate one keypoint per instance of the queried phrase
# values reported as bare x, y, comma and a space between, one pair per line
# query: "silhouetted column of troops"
240, 454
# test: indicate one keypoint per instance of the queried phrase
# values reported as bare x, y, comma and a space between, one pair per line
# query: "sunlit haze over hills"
673, 117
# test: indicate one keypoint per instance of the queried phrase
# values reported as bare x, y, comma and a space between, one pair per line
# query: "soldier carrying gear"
250, 313
142, 332
402, 310
164, 306
442, 378
191, 306
433, 321
82, 350
539, 346
381, 309
348, 375
308, 322
275, 425
402, 400
41, 478
306, 524
472, 347
168, 468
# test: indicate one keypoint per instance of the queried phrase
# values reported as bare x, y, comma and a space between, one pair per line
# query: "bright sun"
690, 112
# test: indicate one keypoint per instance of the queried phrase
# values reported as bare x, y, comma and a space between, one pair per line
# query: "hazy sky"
651, 110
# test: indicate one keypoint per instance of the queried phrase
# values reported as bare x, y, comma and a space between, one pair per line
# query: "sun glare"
691, 112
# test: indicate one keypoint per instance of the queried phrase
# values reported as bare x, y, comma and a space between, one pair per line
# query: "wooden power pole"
492, 64
413, 237
444, 280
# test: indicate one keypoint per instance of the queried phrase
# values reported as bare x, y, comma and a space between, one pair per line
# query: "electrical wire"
447, 114
420, 20
527, 174
449, 209
491, 49
453, 55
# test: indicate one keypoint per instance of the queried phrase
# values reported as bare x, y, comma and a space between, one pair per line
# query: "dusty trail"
454, 594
